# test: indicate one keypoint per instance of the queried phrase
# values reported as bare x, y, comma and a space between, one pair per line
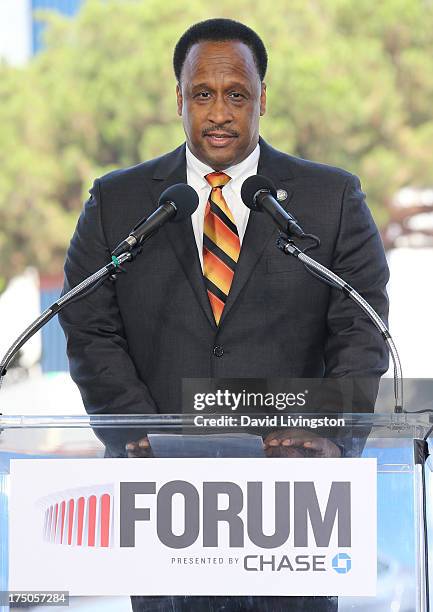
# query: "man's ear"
263, 100
179, 100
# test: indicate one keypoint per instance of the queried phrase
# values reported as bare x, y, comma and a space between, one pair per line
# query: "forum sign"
255, 526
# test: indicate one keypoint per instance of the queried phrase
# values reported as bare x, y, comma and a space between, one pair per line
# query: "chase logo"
342, 563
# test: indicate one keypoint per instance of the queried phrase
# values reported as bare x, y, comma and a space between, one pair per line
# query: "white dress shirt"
196, 170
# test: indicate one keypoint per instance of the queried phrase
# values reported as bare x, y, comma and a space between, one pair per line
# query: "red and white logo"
79, 517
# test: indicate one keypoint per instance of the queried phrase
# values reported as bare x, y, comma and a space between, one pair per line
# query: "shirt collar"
199, 169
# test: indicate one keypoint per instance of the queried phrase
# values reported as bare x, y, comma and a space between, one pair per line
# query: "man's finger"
275, 438
324, 447
295, 441
317, 444
274, 442
139, 444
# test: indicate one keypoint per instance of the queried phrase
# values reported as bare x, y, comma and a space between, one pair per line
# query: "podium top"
117, 436
397, 423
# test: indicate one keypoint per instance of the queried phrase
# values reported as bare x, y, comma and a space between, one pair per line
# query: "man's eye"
202, 94
236, 95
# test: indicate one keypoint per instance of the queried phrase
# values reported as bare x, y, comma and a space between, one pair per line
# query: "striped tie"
221, 244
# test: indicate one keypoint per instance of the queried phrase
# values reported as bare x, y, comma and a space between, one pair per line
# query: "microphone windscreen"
251, 186
184, 197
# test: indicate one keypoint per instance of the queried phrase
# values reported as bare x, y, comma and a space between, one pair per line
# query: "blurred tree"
349, 84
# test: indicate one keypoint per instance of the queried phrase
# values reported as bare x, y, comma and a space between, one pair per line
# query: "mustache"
223, 130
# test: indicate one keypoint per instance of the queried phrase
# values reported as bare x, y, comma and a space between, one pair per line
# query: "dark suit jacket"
131, 342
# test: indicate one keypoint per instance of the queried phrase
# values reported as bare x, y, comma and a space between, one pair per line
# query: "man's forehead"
226, 56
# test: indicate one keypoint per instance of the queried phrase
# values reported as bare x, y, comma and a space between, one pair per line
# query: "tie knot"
217, 179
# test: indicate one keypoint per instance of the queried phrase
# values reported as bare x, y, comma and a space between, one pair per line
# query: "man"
212, 297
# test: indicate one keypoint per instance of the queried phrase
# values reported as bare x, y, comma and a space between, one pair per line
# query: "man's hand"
299, 443
285, 443
140, 448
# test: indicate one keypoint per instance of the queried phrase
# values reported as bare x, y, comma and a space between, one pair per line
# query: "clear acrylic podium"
404, 489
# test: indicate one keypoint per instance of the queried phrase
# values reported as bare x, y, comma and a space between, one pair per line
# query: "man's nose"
220, 111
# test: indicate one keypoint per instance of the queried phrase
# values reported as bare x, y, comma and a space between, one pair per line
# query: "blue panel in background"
54, 357
395, 505
68, 8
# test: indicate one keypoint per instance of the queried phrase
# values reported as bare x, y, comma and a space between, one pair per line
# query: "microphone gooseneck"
324, 274
259, 194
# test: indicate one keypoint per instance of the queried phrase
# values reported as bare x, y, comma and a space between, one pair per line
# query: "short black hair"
220, 30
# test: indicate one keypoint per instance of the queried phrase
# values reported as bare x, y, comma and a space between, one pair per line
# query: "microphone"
176, 203
258, 193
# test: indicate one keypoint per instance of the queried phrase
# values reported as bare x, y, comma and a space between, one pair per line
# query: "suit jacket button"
218, 351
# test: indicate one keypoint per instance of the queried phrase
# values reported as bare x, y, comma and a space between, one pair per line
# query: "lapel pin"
281, 195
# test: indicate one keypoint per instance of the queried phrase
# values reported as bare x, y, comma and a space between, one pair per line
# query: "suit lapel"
180, 236
259, 228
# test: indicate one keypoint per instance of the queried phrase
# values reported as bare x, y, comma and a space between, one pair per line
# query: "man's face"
220, 98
